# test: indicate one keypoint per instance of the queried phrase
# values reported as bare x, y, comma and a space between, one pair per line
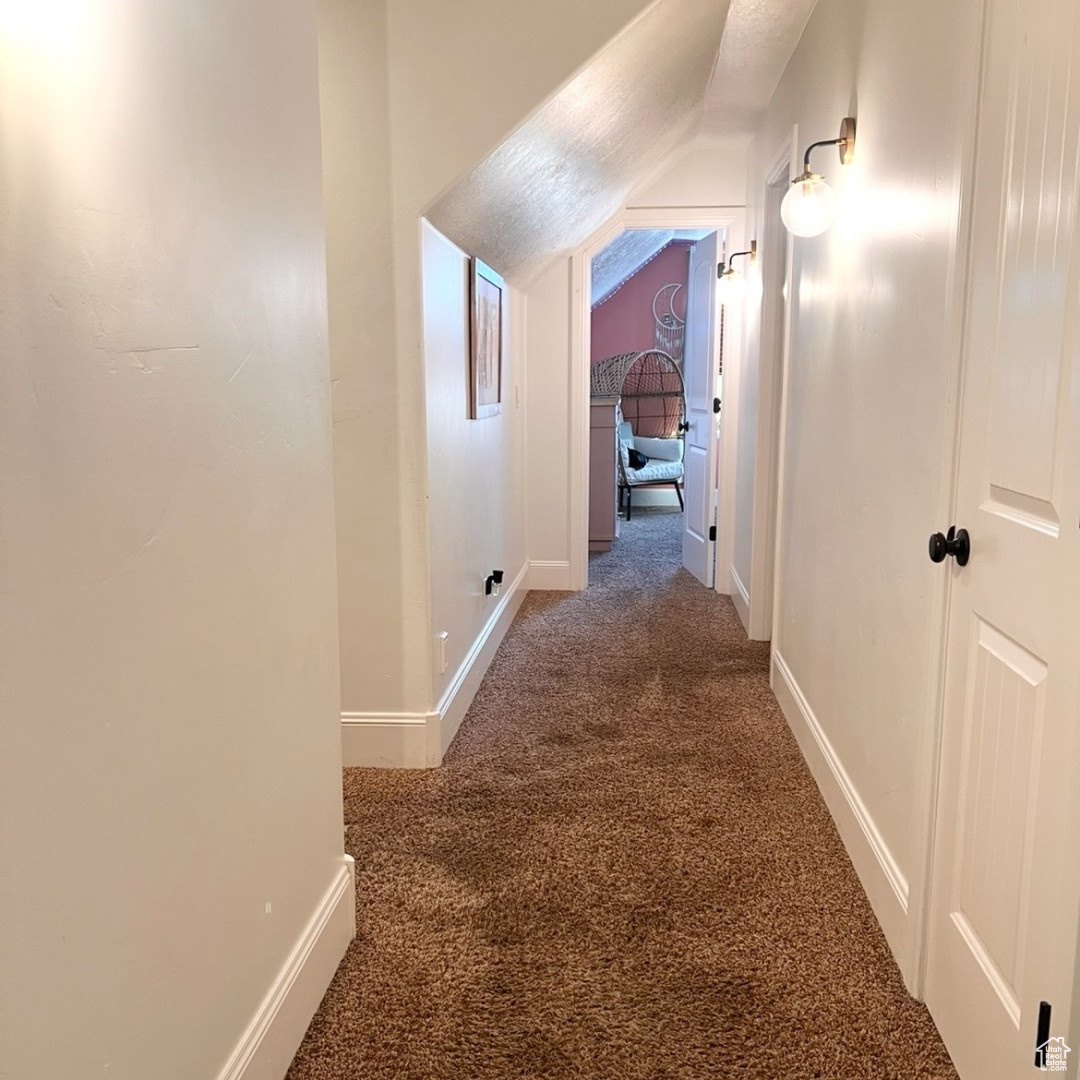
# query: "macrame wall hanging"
670, 328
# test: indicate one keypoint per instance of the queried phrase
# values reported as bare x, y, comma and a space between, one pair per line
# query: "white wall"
698, 174
476, 481
408, 108
170, 804
445, 117
548, 401
869, 420
356, 183
703, 172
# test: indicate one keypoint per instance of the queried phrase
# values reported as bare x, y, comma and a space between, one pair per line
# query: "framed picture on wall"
485, 355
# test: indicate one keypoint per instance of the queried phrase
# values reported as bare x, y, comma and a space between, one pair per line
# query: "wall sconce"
732, 285
809, 207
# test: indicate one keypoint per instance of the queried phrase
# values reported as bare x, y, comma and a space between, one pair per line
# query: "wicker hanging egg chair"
650, 386
652, 401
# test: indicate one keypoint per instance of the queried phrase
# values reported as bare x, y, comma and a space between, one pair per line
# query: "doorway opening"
647, 305
639, 302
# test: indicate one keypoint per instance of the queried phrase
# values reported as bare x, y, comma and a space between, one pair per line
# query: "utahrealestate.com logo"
1050, 1057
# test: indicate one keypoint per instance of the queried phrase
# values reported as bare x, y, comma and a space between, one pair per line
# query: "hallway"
623, 869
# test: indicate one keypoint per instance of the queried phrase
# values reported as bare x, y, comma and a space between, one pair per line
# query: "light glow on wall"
41, 24
871, 208
66, 73
816, 290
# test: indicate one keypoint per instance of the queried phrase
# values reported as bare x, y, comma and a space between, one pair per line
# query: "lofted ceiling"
759, 38
572, 163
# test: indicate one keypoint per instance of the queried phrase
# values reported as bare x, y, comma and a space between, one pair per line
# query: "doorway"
714, 231
643, 357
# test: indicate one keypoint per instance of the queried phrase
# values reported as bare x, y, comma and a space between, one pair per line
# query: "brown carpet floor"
623, 871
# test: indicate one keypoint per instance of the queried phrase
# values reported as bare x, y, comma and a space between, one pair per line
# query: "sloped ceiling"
571, 165
759, 38
628, 253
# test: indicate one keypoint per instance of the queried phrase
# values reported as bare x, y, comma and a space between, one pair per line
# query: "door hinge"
715, 404
712, 532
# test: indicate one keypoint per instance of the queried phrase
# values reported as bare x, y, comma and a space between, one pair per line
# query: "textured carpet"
623, 870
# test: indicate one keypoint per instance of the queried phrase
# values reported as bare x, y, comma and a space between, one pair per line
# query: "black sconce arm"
725, 268
845, 141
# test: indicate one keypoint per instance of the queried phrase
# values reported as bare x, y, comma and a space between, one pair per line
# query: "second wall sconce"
732, 284
809, 207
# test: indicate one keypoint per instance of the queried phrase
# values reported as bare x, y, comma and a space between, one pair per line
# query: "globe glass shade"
809, 207
731, 288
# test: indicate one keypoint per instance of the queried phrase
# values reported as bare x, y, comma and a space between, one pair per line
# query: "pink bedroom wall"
624, 322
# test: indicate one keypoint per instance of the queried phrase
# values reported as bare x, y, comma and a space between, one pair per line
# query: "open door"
699, 373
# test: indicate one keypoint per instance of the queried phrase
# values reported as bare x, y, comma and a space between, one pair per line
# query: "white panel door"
1004, 905
699, 372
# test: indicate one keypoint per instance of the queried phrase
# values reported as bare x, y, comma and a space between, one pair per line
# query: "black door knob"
956, 543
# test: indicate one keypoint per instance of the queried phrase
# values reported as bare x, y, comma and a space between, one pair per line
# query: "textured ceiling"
759, 38
628, 253
571, 164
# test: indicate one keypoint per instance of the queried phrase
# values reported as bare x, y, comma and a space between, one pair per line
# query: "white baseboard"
387, 740
881, 877
270, 1042
419, 740
459, 694
548, 575
740, 597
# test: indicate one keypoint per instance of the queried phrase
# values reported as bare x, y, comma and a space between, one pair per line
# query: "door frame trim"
730, 218
928, 776
764, 612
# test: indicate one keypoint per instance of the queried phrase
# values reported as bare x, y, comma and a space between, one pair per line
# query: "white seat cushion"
664, 449
665, 458
654, 472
